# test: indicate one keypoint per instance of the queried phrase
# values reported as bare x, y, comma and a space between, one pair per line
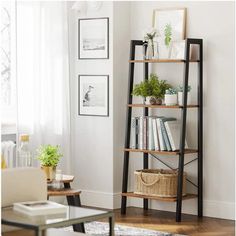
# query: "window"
8, 63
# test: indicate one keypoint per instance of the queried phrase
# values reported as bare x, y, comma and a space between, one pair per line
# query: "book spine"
172, 144
160, 136
150, 135
165, 136
145, 133
141, 132
155, 134
133, 133
136, 133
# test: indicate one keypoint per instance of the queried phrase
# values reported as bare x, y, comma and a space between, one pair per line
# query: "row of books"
155, 133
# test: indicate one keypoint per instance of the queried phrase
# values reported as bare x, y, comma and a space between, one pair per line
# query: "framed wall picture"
93, 38
170, 24
93, 95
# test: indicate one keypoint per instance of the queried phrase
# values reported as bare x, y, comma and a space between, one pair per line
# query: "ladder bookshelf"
182, 152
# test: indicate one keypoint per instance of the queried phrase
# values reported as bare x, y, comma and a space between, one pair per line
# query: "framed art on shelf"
170, 23
93, 38
93, 95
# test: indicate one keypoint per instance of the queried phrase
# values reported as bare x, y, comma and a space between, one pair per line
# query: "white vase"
180, 98
170, 99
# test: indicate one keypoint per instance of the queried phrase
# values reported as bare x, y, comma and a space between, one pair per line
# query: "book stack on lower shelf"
155, 133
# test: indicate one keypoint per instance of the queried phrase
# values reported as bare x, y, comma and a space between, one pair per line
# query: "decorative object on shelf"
24, 158
177, 50
171, 97
151, 90
49, 157
158, 182
152, 46
93, 95
94, 38
180, 90
57, 183
171, 25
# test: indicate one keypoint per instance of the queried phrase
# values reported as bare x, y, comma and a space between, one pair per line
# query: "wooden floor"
165, 221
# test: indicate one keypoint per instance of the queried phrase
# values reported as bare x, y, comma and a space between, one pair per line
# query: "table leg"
39, 233
75, 201
111, 226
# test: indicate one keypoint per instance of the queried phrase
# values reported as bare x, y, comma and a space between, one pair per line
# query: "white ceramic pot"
170, 99
147, 101
180, 98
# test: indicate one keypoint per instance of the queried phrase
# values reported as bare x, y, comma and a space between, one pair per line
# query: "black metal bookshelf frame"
181, 153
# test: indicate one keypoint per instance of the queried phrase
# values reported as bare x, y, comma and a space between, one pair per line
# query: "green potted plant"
180, 90
152, 90
49, 157
171, 97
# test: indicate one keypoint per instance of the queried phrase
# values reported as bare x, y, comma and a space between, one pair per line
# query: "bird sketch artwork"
93, 95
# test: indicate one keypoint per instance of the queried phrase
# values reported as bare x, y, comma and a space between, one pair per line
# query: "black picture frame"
86, 110
90, 55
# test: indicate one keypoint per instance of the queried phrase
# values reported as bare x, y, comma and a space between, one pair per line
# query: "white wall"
97, 161
98, 141
214, 22
92, 136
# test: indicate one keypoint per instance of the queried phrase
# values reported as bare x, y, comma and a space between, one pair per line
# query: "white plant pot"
147, 101
170, 99
180, 98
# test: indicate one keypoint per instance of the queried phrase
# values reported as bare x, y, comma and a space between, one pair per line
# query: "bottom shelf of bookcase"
165, 199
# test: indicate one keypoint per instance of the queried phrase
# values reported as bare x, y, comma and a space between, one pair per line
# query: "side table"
72, 196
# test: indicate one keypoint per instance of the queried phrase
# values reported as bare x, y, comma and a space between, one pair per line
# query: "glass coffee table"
39, 224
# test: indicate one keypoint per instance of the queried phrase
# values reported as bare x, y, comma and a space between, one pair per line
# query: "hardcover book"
35, 208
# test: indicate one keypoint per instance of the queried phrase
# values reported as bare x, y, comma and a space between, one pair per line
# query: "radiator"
8, 152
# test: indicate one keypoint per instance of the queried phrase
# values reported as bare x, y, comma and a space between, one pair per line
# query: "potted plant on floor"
171, 97
49, 157
152, 90
180, 90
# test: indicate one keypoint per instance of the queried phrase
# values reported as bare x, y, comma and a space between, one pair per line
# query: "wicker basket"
156, 182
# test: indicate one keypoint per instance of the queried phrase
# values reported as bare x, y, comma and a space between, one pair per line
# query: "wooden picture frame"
93, 38
171, 26
93, 95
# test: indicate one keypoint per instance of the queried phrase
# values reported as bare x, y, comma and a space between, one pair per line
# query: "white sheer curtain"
43, 75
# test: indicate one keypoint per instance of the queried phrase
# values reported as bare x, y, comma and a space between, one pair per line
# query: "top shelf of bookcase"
161, 61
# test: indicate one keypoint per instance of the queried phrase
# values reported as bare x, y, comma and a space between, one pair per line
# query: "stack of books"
155, 133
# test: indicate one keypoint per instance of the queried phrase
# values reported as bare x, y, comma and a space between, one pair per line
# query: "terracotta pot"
50, 172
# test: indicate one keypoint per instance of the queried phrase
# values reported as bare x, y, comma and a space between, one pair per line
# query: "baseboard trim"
216, 209
100, 199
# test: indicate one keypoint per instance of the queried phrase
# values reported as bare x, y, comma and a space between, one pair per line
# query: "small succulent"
181, 88
171, 91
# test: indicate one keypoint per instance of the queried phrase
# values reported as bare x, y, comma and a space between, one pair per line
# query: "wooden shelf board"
161, 61
63, 192
187, 151
165, 199
161, 106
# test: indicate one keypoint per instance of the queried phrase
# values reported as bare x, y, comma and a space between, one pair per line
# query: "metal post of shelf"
183, 134
145, 113
128, 124
200, 130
